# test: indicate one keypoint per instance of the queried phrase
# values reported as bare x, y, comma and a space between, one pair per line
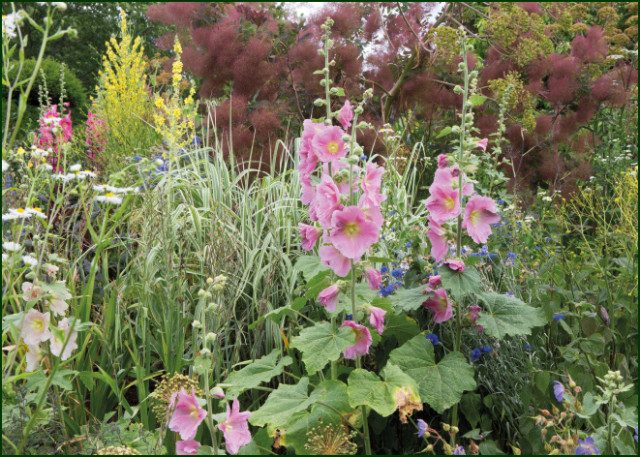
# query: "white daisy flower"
29, 260
36, 212
19, 213
109, 198
5, 166
46, 167
75, 167
547, 199
11, 246
87, 173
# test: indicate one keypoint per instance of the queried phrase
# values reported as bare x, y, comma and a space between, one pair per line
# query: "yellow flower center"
37, 209
473, 217
194, 412
351, 229
333, 148
38, 325
20, 210
109, 194
449, 203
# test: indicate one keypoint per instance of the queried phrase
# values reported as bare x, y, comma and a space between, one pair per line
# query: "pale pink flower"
187, 447
56, 342
33, 357
328, 144
327, 201
58, 304
51, 269
372, 182
482, 144
363, 340
479, 214
376, 318
455, 265
309, 235
308, 191
449, 177
352, 234
371, 209
435, 281
235, 428
35, 328
374, 278
443, 161
31, 291
329, 297
439, 305
332, 258
187, 415
217, 392
439, 242
345, 115
474, 312
443, 203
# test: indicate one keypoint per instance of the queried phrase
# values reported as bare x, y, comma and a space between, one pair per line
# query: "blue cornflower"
433, 338
587, 447
528, 347
510, 294
476, 354
408, 244
397, 273
363, 158
511, 255
197, 141
557, 317
387, 290
384, 269
547, 239
484, 250
422, 427
558, 390
493, 256
349, 316
394, 264
137, 158
487, 349
500, 202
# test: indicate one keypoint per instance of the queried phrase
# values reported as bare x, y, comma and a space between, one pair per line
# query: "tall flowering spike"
363, 341
328, 144
329, 297
187, 415
309, 235
439, 242
187, 447
479, 214
57, 342
35, 328
333, 259
327, 201
352, 234
235, 428
345, 115
443, 203
440, 306
374, 278
376, 318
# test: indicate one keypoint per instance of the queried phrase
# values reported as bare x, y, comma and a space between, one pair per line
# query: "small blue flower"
408, 244
493, 256
433, 338
387, 290
397, 273
487, 349
511, 255
384, 269
558, 390
500, 202
394, 264
587, 447
557, 317
349, 316
422, 427
484, 250
392, 212
197, 141
547, 239
363, 158
510, 294
476, 354
459, 450
528, 347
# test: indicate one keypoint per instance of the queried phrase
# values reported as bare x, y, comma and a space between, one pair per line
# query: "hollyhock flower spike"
439, 242
187, 415
329, 297
479, 214
187, 447
352, 234
328, 145
363, 341
331, 257
235, 428
439, 305
35, 328
374, 278
376, 318
345, 115
443, 203
309, 235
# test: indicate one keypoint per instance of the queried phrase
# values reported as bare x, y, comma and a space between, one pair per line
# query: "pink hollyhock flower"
376, 318
327, 201
345, 115
443, 203
435, 281
309, 235
482, 144
58, 304
333, 259
374, 278
308, 158
187, 447
371, 209
372, 182
328, 144
363, 340
479, 214
455, 265
352, 234
439, 305
308, 191
187, 416
217, 392
329, 297
56, 343
31, 291
235, 428
443, 161
474, 312
449, 177
33, 357
439, 242
35, 328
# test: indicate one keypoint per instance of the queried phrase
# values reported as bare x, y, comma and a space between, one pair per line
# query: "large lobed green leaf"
502, 315
320, 344
310, 266
440, 384
460, 284
408, 299
254, 374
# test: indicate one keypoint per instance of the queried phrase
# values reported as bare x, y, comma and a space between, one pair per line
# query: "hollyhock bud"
434, 280
309, 235
376, 318
374, 278
329, 297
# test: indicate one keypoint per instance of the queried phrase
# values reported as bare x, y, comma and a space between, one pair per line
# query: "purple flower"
487, 349
605, 315
557, 317
476, 354
587, 447
459, 450
510, 294
635, 437
558, 390
433, 338
422, 428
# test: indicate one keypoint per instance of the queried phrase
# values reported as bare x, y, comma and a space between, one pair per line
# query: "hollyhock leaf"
259, 442
471, 405
282, 403
202, 364
444, 132
502, 315
320, 344
62, 378
477, 99
460, 284
310, 266
254, 374
405, 300
319, 282
277, 314
402, 327
366, 388
440, 384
